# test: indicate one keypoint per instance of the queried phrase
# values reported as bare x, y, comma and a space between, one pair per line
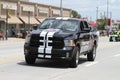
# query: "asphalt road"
105, 67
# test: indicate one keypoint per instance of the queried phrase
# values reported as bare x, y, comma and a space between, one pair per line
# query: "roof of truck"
65, 18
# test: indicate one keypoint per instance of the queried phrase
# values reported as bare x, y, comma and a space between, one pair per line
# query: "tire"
91, 55
75, 59
30, 60
116, 38
110, 39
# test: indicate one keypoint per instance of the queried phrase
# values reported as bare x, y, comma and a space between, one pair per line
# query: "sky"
88, 8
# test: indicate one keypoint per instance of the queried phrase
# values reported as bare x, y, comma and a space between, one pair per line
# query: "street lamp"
61, 13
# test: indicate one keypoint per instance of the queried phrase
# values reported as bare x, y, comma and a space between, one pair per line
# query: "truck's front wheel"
75, 59
30, 60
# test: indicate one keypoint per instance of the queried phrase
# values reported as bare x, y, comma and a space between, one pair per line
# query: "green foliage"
78, 16
101, 23
75, 14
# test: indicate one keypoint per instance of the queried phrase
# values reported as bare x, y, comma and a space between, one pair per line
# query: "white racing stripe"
40, 55
65, 18
48, 48
49, 33
42, 47
48, 56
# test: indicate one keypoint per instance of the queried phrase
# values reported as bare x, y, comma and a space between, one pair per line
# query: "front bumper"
64, 53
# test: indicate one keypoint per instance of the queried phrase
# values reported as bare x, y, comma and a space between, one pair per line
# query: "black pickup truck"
60, 38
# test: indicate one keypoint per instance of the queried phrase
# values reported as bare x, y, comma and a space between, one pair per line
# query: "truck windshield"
66, 25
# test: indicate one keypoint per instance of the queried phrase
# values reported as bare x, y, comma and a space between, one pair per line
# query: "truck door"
86, 38
82, 36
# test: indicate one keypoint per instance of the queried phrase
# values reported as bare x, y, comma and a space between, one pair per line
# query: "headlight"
27, 39
69, 43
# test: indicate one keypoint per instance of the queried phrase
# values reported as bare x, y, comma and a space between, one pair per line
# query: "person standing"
3, 35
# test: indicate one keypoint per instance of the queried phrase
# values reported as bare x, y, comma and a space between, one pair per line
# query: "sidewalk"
12, 41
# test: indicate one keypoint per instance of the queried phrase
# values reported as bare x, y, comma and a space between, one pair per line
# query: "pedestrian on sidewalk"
3, 35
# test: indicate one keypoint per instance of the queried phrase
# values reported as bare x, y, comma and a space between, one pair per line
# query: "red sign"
108, 22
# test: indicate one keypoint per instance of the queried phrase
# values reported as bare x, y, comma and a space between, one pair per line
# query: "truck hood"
53, 33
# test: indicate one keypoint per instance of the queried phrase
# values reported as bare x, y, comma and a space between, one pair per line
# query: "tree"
78, 16
101, 23
75, 14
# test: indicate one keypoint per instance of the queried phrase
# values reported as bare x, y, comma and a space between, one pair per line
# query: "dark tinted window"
81, 25
86, 25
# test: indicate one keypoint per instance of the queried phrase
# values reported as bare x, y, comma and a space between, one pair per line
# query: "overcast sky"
87, 8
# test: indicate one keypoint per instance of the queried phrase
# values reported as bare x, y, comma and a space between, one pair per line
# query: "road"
105, 67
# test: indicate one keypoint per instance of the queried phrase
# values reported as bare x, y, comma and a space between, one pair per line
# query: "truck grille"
34, 41
56, 43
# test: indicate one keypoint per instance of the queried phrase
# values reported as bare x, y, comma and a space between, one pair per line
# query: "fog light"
64, 48
67, 54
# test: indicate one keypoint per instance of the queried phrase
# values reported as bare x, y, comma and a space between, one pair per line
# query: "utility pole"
110, 15
104, 14
101, 15
6, 35
110, 19
107, 12
29, 19
90, 19
61, 12
96, 14
107, 19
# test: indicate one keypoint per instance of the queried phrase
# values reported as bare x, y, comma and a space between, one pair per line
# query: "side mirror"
87, 29
35, 27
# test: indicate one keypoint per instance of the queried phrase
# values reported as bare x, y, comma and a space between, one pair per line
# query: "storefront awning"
41, 19
30, 20
12, 20
2, 20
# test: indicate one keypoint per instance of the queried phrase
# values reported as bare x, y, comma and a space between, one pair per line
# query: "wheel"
75, 59
30, 60
116, 39
110, 39
91, 55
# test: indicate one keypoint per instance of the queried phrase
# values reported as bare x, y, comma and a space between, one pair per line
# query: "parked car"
115, 36
21, 34
60, 38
